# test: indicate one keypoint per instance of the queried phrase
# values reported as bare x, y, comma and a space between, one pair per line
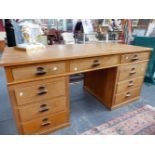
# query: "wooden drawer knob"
55, 68
21, 94
126, 57
75, 68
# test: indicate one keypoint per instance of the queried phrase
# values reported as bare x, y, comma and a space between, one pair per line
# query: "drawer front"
125, 58
45, 123
131, 71
34, 71
92, 63
129, 84
40, 90
42, 108
126, 96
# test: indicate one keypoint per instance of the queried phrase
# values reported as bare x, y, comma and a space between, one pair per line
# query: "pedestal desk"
38, 81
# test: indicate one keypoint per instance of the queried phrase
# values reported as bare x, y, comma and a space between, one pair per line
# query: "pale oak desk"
38, 81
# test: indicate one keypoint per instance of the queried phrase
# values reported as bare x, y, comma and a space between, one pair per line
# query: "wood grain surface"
13, 56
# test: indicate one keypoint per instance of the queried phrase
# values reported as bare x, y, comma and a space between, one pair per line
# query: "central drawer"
42, 108
40, 70
93, 63
40, 90
45, 123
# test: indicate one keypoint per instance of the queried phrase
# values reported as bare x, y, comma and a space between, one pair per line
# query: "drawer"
131, 71
125, 58
42, 108
92, 63
40, 90
127, 96
129, 84
45, 123
41, 70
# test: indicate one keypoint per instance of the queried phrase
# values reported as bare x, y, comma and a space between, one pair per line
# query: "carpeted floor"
138, 122
86, 111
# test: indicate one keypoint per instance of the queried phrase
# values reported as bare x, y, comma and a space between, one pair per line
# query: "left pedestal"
40, 106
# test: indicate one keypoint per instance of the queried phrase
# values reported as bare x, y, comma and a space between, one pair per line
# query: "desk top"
12, 56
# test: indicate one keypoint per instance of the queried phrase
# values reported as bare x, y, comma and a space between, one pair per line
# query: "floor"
86, 111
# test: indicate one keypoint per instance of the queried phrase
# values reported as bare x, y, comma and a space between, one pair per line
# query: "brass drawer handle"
45, 122
135, 57
43, 108
96, 60
40, 71
42, 90
41, 87
130, 84
133, 71
96, 63
128, 94
43, 105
